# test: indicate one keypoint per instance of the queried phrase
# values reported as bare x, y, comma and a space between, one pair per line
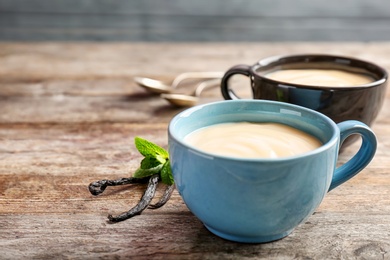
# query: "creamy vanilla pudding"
320, 77
252, 140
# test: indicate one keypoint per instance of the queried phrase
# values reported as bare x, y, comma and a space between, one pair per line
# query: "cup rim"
189, 111
340, 59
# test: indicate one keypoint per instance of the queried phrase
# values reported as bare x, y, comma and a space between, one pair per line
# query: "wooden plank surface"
202, 20
68, 116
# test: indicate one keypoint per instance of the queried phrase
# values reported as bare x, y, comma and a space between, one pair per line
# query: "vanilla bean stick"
98, 187
164, 198
142, 204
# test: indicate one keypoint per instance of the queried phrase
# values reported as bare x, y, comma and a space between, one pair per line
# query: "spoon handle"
196, 75
205, 85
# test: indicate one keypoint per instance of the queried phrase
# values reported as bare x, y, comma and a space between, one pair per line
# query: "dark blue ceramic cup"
261, 200
361, 102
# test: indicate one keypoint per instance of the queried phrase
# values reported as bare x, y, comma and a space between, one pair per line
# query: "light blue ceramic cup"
261, 200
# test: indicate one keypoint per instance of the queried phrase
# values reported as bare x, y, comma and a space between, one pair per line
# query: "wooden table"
68, 115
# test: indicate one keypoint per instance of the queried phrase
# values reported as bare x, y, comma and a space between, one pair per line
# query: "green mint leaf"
141, 173
150, 162
166, 174
156, 161
149, 149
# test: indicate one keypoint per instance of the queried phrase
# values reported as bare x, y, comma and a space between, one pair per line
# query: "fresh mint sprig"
156, 161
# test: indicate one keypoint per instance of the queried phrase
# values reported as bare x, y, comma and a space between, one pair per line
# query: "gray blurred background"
195, 20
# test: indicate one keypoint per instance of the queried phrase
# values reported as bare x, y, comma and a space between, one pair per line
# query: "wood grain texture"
68, 115
179, 20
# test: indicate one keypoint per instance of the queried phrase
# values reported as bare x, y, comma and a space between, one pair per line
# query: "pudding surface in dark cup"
340, 103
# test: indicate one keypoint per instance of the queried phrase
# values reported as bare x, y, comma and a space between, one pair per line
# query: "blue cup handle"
362, 158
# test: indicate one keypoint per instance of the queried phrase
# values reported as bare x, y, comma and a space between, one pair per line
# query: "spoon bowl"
152, 85
183, 100
159, 87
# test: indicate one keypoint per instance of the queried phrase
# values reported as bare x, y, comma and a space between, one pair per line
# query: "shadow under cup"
361, 103
260, 200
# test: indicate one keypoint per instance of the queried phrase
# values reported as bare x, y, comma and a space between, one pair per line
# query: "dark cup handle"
228, 93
